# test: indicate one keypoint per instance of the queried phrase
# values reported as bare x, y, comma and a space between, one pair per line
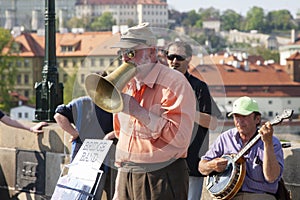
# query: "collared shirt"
169, 96
230, 142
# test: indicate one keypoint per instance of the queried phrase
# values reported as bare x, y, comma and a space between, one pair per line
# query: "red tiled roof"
259, 80
295, 56
33, 44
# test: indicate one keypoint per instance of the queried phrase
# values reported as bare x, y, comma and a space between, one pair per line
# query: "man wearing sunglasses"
155, 127
179, 55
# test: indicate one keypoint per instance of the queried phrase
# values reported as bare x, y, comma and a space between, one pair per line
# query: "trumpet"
105, 92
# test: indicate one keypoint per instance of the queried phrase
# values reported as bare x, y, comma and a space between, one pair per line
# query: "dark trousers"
136, 182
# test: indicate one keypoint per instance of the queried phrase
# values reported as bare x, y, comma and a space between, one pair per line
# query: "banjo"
226, 184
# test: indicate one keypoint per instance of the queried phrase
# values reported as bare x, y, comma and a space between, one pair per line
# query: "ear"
189, 59
153, 52
258, 119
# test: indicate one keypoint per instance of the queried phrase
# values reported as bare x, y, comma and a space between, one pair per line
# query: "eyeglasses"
130, 53
178, 57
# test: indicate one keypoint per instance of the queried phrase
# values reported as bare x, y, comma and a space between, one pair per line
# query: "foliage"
280, 20
7, 69
69, 87
103, 23
255, 19
265, 53
5, 38
217, 43
79, 23
191, 18
209, 13
231, 20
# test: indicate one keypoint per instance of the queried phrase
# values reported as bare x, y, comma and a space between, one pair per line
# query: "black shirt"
204, 104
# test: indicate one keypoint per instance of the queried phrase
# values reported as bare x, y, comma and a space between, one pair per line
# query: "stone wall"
25, 155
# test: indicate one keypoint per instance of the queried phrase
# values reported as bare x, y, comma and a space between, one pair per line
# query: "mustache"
174, 66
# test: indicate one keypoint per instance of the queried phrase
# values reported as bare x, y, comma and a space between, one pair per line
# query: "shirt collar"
152, 76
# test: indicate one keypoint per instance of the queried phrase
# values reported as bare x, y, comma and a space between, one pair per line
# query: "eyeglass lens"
178, 57
130, 53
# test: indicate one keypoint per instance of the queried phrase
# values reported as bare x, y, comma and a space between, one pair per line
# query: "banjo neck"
246, 148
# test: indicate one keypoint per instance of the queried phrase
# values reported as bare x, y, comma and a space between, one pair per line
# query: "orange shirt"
169, 96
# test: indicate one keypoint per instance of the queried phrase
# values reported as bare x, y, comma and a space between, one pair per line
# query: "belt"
147, 167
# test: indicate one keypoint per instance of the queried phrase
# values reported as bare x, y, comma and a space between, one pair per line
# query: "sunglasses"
178, 57
130, 53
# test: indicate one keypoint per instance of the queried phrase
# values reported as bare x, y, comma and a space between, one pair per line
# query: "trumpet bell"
105, 92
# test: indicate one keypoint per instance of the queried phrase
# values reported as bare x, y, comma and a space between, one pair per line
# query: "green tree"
280, 20
69, 87
130, 23
209, 13
255, 19
191, 18
7, 69
79, 23
103, 23
230, 20
267, 54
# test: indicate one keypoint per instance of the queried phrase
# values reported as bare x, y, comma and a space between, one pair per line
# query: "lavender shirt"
254, 180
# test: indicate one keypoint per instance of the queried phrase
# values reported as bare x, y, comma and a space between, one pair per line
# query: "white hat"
136, 35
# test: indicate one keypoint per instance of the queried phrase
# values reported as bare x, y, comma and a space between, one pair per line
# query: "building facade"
124, 11
76, 55
30, 13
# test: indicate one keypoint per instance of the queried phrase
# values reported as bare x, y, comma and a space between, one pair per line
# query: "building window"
93, 62
65, 78
270, 114
26, 93
26, 115
19, 115
26, 79
65, 63
270, 102
82, 78
63, 49
19, 79
26, 63
101, 61
74, 63
19, 64
289, 102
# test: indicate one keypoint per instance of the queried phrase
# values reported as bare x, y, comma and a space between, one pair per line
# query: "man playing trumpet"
155, 124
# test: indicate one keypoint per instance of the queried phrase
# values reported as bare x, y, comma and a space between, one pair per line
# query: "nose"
125, 58
174, 59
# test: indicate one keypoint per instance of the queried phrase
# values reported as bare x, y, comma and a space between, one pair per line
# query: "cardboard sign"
84, 172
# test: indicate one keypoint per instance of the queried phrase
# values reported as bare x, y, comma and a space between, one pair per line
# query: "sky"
240, 6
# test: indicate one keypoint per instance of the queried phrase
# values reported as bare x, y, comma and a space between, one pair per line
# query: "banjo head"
222, 185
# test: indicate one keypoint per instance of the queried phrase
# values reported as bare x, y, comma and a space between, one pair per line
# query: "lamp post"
49, 93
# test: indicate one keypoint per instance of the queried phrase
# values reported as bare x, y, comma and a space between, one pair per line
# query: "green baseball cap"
244, 106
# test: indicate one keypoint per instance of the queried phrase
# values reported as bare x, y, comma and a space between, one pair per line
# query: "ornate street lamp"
49, 93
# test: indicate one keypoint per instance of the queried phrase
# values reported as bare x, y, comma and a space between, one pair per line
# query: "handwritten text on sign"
92, 150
